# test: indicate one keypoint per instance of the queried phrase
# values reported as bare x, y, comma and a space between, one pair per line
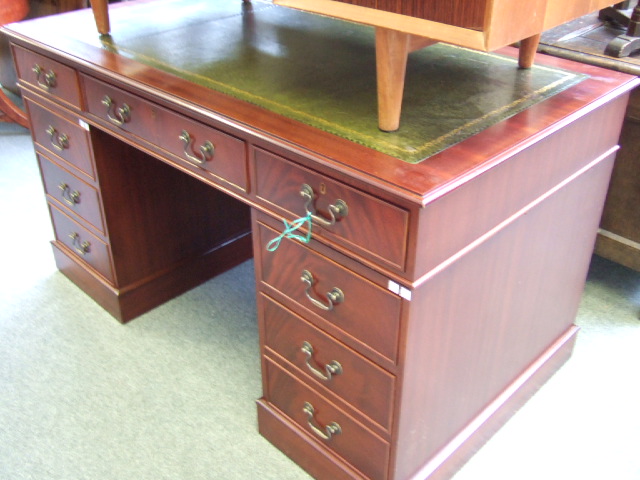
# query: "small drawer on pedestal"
121, 109
86, 246
327, 424
61, 137
205, 149
344, 301
48, 76
359, 382
71, 192
358, 222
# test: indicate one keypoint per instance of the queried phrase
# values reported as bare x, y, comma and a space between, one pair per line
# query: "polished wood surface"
459, 276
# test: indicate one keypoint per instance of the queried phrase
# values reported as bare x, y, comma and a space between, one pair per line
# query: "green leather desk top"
321, 71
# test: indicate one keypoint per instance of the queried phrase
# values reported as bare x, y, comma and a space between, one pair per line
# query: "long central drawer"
202, 149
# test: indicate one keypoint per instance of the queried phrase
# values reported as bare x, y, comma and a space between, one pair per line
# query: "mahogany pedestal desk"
432, 299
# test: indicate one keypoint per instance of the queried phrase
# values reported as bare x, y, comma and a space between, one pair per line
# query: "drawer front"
370, 227
205, 149
367, 387
71, 192
121, 109
367, 312
354, 443
85, 246
61, 137
48, 76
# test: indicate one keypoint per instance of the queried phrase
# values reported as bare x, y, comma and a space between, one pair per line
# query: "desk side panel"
455, 220
476, 327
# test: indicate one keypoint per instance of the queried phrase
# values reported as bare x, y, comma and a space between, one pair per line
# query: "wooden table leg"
392, 48
11, 111
101, 14
527, 53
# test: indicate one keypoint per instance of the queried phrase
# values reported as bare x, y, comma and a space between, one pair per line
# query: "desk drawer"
71, 193
47, 76
367, 313
61, 137
314, 414
121, 109
203, 149
84, 245
361, 383
371, 227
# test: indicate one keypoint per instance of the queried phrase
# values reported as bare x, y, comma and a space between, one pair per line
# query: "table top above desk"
72, 38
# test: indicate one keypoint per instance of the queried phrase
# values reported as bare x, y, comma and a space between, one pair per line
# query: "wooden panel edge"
618, 249
441, 32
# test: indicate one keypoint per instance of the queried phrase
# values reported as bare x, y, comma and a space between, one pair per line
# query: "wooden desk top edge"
417, 183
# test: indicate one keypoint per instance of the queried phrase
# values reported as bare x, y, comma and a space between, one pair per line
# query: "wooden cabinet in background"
585, 40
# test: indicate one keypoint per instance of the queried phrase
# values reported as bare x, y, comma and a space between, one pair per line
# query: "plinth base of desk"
134, 300
323, 464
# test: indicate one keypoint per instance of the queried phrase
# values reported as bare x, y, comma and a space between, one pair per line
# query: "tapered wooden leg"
392, 48
101, 14
527, 53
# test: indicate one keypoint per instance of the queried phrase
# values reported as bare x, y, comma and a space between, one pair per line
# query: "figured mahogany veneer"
278, 186
420, 314
49, 76
60, 135
360, 382
281, 274
73, 194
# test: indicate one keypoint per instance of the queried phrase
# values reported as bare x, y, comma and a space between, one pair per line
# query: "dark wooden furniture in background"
627, 16
433, 298
586, 40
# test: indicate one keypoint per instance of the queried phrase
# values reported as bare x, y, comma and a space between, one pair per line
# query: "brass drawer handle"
337, 211
205, 153
81, 247
121, 115
332, 368
334, 296
59, 141
45, 80
71, 198
328, 432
